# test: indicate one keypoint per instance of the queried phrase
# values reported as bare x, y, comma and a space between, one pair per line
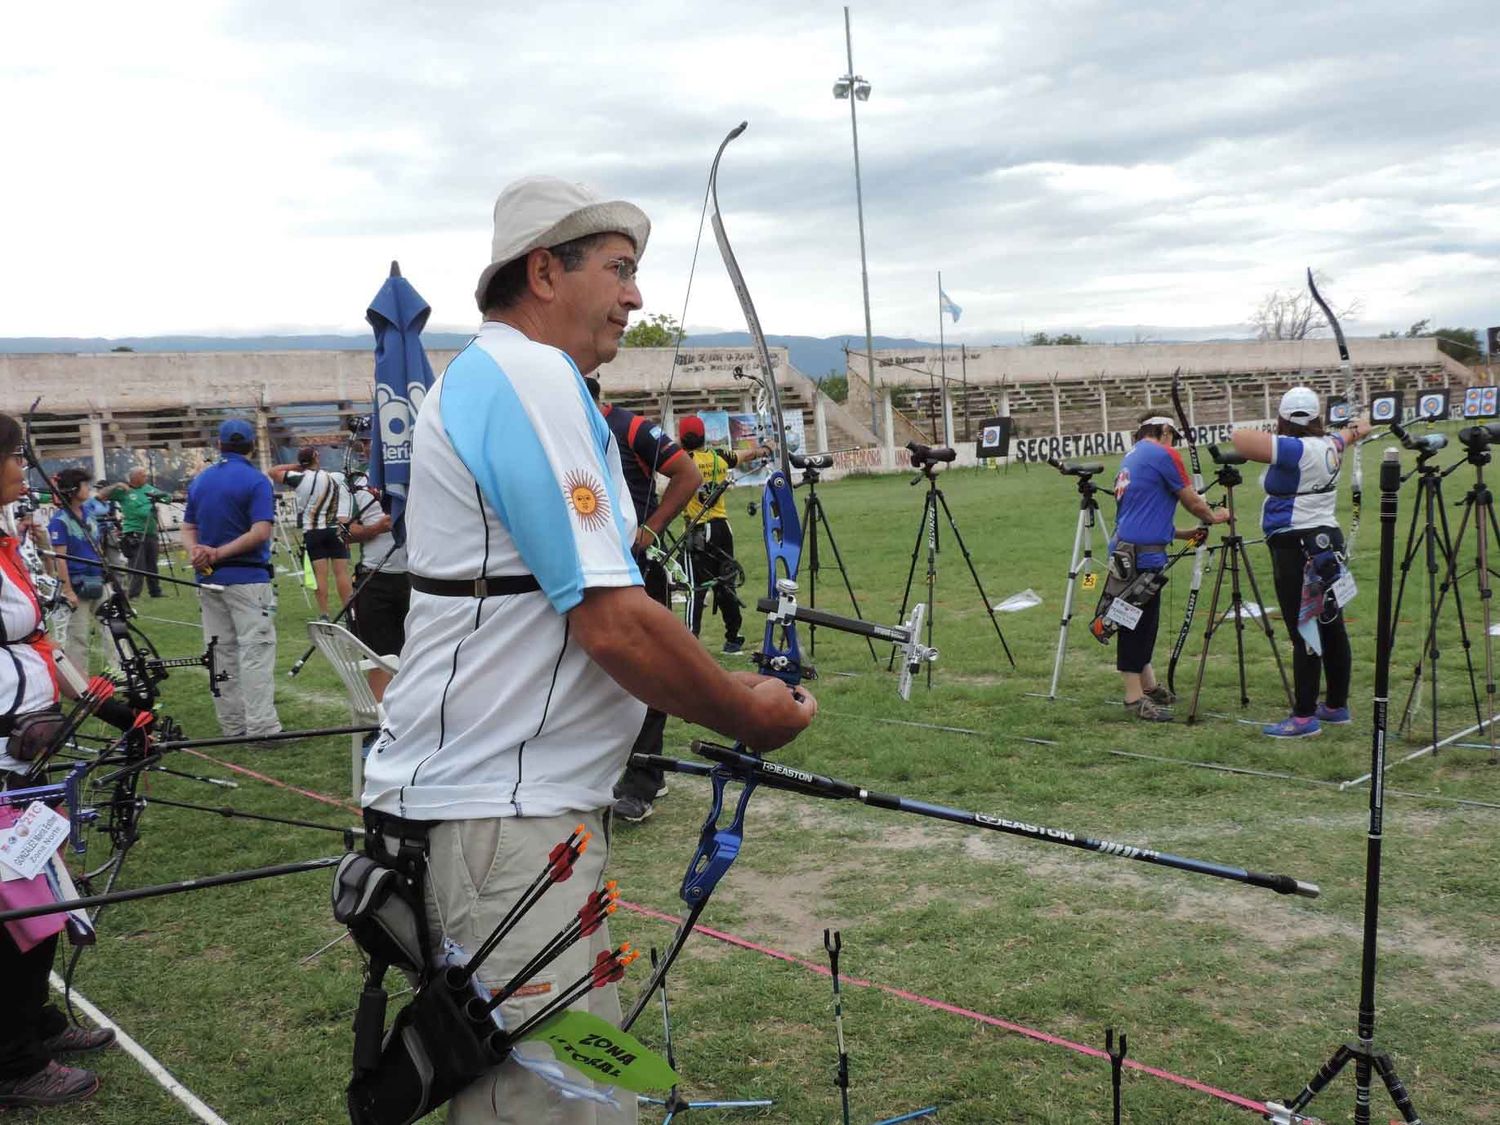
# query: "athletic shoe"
633, 809
1296, 726
1162, 695
1334, 716
54, 1084
661, 790
733, 645
73, 1040
1147, 711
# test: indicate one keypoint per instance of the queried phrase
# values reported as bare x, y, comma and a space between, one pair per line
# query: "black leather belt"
494, 587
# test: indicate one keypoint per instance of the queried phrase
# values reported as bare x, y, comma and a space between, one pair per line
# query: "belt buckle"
481, 587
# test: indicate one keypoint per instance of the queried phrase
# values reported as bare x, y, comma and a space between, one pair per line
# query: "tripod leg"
810, 551
1265, 622
1413, 545
1208, 632
839, 559
1485, 525
959, 539
932, 563
1237, 611
1394, 1086
1319, 1081
911, 571
1452, 545
1075, 564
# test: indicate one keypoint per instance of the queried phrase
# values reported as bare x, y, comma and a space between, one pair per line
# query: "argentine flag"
945, 303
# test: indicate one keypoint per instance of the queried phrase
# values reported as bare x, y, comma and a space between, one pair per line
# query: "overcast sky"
216, 167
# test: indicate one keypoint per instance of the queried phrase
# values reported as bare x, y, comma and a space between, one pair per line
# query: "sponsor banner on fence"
1104, 443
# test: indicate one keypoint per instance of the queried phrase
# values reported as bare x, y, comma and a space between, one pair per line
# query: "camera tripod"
1235, 558
928, 529
813, 514
1081, 563
1437, 545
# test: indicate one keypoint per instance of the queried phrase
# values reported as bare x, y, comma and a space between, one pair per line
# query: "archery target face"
1386, 407
1339, 411
1432, 404
1481, 402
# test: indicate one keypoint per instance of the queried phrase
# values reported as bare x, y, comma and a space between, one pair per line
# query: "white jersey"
322, 498
381, 553
28, 676
496, 712
1301, 484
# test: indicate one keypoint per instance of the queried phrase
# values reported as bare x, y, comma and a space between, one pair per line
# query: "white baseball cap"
1300, 405
541, 211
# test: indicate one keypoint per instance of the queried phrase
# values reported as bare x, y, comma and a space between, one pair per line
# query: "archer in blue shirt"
1150, 484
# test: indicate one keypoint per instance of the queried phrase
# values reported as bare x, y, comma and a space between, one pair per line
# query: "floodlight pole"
851, 82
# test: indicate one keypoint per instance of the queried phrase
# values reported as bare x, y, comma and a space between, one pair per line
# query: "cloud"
195, 166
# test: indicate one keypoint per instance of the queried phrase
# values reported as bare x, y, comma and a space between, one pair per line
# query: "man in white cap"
1151, 482
1300, 523
532, 648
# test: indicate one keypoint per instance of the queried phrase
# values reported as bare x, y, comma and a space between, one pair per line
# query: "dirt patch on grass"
792, 907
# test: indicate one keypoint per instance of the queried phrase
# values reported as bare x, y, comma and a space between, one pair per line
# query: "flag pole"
942, 360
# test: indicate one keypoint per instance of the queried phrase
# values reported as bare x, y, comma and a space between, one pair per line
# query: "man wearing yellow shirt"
712, 543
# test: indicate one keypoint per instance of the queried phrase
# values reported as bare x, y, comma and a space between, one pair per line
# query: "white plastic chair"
351, 659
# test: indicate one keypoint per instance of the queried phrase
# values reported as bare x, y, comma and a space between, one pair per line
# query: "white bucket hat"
1300, 405
541, 211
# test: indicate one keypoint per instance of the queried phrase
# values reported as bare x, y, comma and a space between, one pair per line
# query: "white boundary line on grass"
163, 1077
1430, 748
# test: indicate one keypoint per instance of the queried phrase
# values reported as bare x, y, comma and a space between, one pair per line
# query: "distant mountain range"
811, 355
814, 356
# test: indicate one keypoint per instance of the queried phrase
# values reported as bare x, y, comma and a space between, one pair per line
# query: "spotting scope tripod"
1081, 562
1435, 541
925, 459
1235, 559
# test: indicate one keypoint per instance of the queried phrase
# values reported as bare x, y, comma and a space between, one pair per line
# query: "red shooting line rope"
1255, 1107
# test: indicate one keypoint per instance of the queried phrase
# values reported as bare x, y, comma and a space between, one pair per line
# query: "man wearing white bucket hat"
1300, 523
532, 648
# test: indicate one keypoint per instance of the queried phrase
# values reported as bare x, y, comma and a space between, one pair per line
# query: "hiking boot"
54, 1084
1295, 726
1147, 711
73, 1040
1333, 716
733, 645
633, 809
1162, 695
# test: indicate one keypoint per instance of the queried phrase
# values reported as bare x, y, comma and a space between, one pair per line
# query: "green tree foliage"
1062, 339
1461, 344
660, 330
835, 385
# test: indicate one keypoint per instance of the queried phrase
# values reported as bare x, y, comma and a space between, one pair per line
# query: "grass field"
1231, 986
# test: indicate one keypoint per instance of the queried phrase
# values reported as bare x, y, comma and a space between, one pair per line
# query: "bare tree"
1295, 315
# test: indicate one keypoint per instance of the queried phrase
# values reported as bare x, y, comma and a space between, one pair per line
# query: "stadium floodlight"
842, 88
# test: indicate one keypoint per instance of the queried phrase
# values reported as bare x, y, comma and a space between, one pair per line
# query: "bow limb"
1346, 373
780, 655
1200, 555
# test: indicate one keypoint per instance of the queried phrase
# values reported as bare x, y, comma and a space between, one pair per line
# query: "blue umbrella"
402, 375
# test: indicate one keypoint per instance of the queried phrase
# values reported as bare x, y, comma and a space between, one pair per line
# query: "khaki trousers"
73, 631
476, 870
244, 620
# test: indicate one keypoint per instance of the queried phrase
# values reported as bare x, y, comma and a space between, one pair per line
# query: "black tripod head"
1085, 471
926, 458
812, 465
1228, 474
1476, 441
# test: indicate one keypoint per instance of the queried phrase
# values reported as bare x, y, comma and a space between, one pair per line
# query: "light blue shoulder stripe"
602, 439
490, 431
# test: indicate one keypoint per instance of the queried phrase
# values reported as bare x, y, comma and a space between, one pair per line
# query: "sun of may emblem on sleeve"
587, 498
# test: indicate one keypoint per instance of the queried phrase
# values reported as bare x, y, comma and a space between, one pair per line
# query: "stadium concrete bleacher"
92, 404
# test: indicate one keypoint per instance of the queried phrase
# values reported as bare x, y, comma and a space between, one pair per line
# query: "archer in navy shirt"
223, 502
